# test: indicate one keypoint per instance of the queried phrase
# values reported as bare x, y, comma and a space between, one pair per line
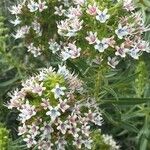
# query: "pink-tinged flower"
17, 98
53, 113
58, 91
73, 50
37, 27
102, 16
63, 127
59, 10
61, 143
36, 51
45, 103
78, 142
92, 10
63, 105
72, 120
74, 131
30, 141
45, 145
88, 143
121, 51
112, 62
20, 33
74, 12
16, 9
143, 45
22, 129
33, 130
92, 37
111, 42
75, 25
38, 88
101, 45
128, 5
46, 130
122, 31
42, 5
27, 111
85, 129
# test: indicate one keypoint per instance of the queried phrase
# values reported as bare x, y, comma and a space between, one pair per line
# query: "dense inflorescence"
73, 29
53, 112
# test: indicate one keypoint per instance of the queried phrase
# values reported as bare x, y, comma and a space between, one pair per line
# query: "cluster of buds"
52, 112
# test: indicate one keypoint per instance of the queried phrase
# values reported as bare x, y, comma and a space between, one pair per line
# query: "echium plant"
105, 30
54, 112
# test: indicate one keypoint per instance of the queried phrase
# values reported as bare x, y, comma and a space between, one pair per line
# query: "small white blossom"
102, 16
121, 31
101, 45
53, 113
58, 91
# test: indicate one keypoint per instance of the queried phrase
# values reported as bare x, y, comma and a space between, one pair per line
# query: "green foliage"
4, 137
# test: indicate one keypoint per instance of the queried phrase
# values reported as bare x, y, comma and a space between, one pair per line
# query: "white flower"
36, 51
92, 37
16, 9
59, 10
33, 6
58, 91
110, 141
22, 129
38, 88
27, 111
102, 16
65, 55
63, 105
21, 32
121, 51
74, 131
113, 62
33, 130
46, 130
63, 126
16, 21
45, 103
30, 141
54, 46
42, 5
63, 70
101, 45
88, 143
121, 31
78, 142
135, 53
53, 113
73, 50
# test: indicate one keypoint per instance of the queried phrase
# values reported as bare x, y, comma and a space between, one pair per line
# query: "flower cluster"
113, 32
115, 38
52, 112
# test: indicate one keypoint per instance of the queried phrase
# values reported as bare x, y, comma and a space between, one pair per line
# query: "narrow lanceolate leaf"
126, 101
